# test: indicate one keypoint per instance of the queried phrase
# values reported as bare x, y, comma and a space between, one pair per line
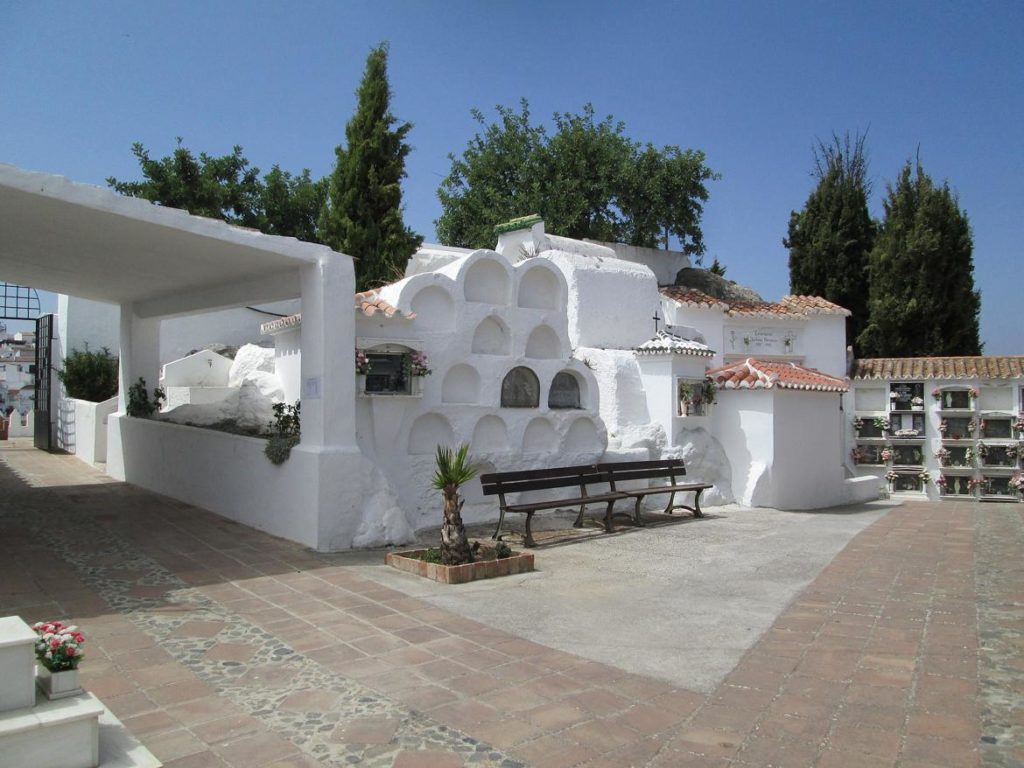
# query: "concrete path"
221, 646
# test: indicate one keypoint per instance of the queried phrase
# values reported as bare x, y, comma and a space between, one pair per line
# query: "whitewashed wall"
807, 472
742, 422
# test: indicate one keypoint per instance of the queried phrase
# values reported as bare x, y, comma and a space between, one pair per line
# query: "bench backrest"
621, 471
541, 479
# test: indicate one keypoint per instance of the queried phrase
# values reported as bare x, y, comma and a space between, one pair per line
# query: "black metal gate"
44, 342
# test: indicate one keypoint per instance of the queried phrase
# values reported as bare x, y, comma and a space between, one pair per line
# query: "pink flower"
70, 650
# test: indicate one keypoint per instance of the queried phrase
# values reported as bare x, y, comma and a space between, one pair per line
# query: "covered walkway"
218, 645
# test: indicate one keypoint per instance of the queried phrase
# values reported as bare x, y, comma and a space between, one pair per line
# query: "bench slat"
664, 464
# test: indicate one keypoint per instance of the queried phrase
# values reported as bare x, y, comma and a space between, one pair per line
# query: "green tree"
830, 239
922, 300
587, 180
363, 215
228, 188
217, 187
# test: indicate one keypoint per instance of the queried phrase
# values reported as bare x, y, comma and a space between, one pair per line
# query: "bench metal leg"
501, 519
671, 503
528, 537
579, 517
696, 503
608, 517
636, 512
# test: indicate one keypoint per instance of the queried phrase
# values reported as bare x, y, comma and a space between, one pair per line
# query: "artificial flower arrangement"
976, 482
937, 393
982, 450
941, 483
892, 476
916, 402
886, 453
925, 477
969, 457
943, 427
1019, 425
973, 392
362, 363
857, 454
416, 364
1017, 483
59, 647
1012, 450
942, 455
906, 433
858, 423
881, 423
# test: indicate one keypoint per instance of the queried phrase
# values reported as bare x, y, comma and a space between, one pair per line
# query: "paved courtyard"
886, 636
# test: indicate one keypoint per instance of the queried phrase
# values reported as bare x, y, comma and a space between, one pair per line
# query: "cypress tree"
922, 300
363, 217
830, 239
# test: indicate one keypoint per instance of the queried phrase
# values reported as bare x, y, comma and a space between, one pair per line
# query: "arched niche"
564, 391
461, 385
543, 344
540, 437
491, 338
583, 436
490, 435
428, 432
520, 389
539, 288
487, 282
434, 308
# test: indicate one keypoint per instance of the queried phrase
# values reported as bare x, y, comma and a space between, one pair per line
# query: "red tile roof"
759, 374
789, 306
988, 367
367, 302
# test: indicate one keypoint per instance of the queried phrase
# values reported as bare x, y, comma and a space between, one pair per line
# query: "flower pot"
58, 685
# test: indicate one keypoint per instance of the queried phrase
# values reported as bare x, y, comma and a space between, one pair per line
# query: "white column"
140, 353
328, 387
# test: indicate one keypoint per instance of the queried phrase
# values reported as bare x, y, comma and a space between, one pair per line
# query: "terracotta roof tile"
789, 306
758, 374
367, 302
981, 367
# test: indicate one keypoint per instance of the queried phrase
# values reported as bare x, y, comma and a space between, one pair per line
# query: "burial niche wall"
491, 338
583, 436
520, 389
487, 282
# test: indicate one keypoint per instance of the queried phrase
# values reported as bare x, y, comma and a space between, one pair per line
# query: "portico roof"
86, 241
763, 374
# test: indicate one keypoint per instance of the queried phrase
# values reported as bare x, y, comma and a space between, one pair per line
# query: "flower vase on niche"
58, 653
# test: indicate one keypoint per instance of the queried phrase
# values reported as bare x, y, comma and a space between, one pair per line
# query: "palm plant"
453, 470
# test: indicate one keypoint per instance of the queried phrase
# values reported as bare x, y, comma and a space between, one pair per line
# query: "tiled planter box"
519, 562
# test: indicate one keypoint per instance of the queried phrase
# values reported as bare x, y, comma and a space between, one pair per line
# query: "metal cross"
656, 320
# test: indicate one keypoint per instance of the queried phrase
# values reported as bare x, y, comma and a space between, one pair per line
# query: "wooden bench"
579, 477
667, 469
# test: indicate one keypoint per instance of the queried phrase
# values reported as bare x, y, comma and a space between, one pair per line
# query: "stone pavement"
221, 646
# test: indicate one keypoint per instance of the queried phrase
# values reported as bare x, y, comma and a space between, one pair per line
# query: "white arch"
429, 431
461, 385
491, 337
487, 282
543, 344
540, 436
491, 435
540, 288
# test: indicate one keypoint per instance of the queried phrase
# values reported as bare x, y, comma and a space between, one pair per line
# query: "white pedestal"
17, 664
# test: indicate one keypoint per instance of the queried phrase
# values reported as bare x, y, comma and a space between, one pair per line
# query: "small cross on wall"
656, 320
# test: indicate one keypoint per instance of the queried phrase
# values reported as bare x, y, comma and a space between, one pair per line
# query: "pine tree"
363, 217
830, 239
922, 300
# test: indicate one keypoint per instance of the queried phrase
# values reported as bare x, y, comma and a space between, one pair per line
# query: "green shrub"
89, 375
285, 432
139, 403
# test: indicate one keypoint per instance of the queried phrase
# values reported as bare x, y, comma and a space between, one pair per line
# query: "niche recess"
461, 385
428, 432
491, 338
520, 389
583, 436
564, 391
487, 282
490, 435
540, 437
539, 289
543, 344
435, 308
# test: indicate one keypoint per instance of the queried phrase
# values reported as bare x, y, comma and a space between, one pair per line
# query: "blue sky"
751, 84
